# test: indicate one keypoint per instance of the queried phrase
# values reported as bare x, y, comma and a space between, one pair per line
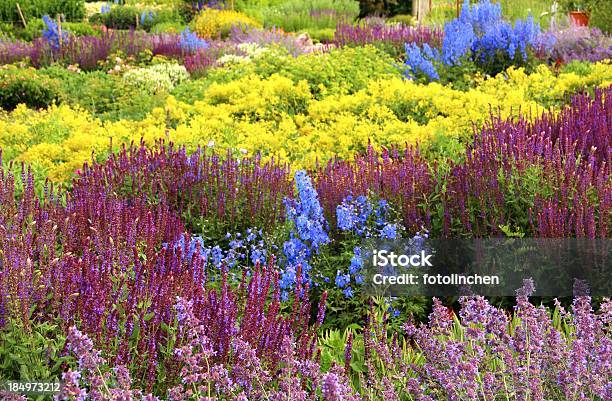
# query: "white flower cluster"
250, 52
157, 78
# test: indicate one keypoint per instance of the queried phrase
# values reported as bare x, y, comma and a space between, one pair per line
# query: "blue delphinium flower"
356, 262
190, 42
481, 15
51, 33
342, 280
526, 33
309, 231
105, 8
146, 16
479, 34
389, 231
353, 213
420, 61
458, 39
241, 252
360, 216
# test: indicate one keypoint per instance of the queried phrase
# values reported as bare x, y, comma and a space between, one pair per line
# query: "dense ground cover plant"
214, 195
222, 262
547, 178
25, 86
106, 96
482, 353
280, 116
113, 281
212, 23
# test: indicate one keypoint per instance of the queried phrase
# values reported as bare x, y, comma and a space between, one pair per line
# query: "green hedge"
73, 10
26, 85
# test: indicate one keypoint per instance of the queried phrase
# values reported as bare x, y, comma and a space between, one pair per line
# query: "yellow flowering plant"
211, 23
282, 118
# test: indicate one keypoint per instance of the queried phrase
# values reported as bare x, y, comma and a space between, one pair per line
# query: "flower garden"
185, 188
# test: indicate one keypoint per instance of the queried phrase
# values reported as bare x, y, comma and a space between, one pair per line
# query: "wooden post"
59, 29
137, 22
25, 24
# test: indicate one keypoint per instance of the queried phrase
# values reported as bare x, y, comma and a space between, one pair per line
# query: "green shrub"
121, 17
601, 17
299, 15
36, 26
33, 30
191, 90
325, 35
582, 68
106, 96
80, 29
341, 71
7, 31
73, 10
168, 27
405, 19
384, 7
128, 17
25, 85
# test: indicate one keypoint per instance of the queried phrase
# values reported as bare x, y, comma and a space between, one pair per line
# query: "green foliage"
515, 9
129, 17
386, 8
405, 19
191, 90
80, 29
26, 85
168, 27
582, 68
106, 96
298, 15
601, 17
333, 346
36, 26
324, 35
7, 31
580, 5
72, 10
33, 30
341, 71
32, 351
122, 17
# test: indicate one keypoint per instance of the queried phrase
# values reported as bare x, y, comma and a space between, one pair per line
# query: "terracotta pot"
579, 18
